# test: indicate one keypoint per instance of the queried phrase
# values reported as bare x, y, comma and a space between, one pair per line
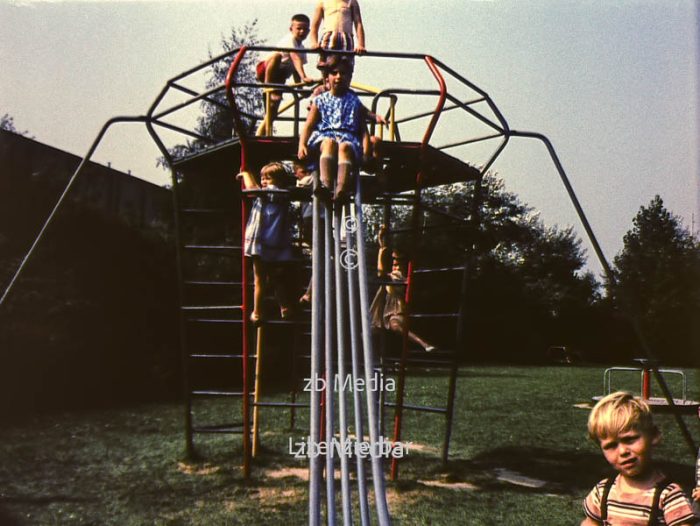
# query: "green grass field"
513, 426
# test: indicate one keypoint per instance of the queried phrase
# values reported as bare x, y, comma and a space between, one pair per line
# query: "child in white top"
278, 66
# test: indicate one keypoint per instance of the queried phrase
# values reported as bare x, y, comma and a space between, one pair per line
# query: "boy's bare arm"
298, 64
589, 522
359, 28
316, 24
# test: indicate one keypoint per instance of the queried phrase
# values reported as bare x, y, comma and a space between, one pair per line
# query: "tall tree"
216, 120
657, 280
529, 278
7, 122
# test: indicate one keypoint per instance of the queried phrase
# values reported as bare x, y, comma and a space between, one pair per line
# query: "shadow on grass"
529, 469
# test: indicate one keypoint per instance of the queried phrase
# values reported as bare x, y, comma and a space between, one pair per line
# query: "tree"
216, 121
7, 122
529, 288
657, 281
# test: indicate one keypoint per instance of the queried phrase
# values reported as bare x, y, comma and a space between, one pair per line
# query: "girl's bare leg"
283, 279
328, 163
346, 164
259, 281
396, 326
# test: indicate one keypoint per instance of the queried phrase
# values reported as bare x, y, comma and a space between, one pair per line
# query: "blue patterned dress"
341, 118
268, 233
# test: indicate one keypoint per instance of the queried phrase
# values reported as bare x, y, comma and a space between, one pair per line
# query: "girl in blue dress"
336, 131
268, 238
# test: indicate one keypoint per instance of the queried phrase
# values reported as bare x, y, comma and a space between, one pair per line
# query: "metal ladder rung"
435, 315
219, 393
210, 307
436, 270
212, 283
420, 362
203, 210
222, 428
423, 408
221, 356
214, 248
281, 404
212, 320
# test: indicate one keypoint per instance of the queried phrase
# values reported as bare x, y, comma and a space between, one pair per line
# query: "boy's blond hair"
619, 412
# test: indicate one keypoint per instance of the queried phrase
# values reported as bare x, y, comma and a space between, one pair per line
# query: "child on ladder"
388, 309
335, 129
268, 238
639, 494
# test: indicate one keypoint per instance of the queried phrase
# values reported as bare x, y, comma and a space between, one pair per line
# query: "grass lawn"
513, 426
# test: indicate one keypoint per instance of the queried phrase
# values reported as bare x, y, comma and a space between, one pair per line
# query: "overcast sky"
613, 84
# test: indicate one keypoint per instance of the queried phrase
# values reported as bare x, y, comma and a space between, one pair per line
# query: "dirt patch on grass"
194, 469
300, 473
448, 485
397, 498
423, 448
272, 496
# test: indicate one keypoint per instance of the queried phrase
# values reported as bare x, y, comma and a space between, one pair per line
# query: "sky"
613, 85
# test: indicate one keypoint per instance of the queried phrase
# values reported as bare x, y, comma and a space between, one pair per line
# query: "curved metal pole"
62, 198
237, 121
341, 331
441, 100
355, 349
329, 369
316, 349
372, 419
245, 303
572, 196
611, 278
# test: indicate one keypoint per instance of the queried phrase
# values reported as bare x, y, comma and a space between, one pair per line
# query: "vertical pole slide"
355, 350
372, 420
316, 347
329, 308
341, 331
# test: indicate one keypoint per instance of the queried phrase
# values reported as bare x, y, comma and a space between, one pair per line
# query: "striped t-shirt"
627, 508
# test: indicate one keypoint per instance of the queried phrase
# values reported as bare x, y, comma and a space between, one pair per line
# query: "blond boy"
640, 494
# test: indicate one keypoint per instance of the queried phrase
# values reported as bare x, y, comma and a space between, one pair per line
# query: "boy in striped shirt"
640, 494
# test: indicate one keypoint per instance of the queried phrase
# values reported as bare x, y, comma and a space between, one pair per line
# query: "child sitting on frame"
336, 129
